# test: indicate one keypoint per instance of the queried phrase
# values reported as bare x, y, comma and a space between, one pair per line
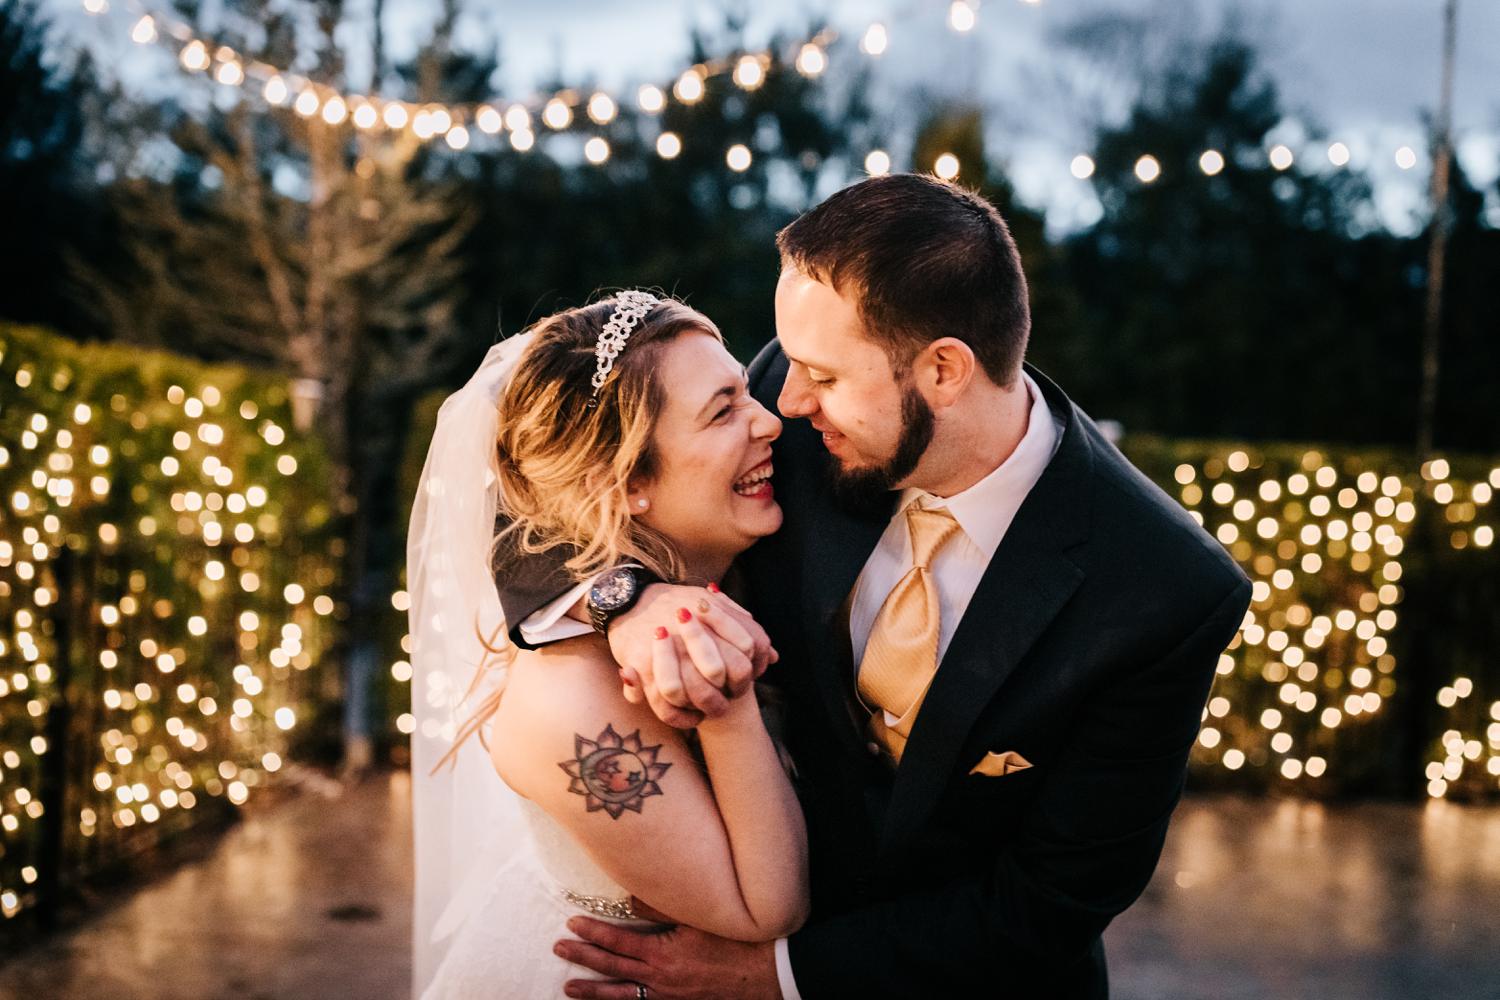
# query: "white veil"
466, 822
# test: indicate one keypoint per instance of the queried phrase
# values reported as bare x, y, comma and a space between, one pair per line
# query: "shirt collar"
984, 511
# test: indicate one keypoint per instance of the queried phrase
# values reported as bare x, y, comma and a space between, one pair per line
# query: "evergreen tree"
47, 195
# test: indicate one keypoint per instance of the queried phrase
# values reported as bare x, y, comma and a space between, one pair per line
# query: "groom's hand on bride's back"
713, 651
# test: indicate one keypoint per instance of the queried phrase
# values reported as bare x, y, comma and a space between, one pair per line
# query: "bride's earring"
643, 503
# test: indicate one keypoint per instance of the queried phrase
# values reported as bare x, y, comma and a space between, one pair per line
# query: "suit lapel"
838, 543
1028, 581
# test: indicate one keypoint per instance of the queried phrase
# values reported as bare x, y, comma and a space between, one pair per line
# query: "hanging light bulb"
961, 16
144, 32
689, 86
1082, 167
395, 116
275, 91
517, 118
748, 73
811, 61
230, 74
307, 103
1211, 162
1147, 169
365, 116
489, 120
194, 56
651, 99
668, 145
601, 108
946, 166
878, 163
457, 136
875, 40
738, 157
335, 110
596, 150
557, 115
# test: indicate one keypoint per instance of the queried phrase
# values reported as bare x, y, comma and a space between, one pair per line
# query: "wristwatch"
615, 592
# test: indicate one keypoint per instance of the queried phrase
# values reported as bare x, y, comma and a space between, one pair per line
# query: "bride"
624, 431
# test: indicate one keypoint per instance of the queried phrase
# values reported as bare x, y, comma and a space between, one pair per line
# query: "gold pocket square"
997, 764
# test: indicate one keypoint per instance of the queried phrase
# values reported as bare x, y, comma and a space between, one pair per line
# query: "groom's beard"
869, 485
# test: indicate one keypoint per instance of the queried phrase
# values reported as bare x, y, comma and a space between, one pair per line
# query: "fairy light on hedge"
159, 611
1312, 659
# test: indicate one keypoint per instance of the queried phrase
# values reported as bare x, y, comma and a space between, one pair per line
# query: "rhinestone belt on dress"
603, 906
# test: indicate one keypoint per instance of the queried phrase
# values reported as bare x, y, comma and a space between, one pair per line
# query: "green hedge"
1366, 664
1366, 660
166, 559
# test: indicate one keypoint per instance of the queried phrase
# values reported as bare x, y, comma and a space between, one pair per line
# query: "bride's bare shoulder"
552, 694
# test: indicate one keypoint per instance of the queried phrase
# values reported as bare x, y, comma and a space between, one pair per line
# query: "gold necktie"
901, 655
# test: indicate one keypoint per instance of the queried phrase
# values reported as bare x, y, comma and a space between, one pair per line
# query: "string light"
1082, 167
596, 150
748, 73
961, 16
489, 120
335, 110
601, 109
651, 99
738, 157
946, 166
877, 163
144, 32
811, 61
1147, 169
689, 86
668, 145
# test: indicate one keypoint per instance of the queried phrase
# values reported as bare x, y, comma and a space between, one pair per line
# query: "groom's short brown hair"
923, 259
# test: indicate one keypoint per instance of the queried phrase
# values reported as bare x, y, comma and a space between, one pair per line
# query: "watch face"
613, 590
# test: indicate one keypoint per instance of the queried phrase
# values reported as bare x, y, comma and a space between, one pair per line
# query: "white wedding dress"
503, 948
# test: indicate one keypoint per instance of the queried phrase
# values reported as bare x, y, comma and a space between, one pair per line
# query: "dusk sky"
1360, 71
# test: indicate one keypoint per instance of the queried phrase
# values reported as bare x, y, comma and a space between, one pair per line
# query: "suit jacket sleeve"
1086, 851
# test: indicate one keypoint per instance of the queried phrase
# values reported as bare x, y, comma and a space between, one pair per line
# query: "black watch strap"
603, 612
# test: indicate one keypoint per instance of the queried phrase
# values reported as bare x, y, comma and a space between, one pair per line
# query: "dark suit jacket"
1088, 648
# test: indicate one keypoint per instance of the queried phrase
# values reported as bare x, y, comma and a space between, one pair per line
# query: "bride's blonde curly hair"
565, 460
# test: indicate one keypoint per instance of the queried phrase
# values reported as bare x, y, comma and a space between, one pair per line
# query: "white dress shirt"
984, 512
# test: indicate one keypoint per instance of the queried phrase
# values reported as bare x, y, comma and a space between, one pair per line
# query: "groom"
996, 636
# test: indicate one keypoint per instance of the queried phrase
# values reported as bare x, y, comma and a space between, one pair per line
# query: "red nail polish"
661, 632
713, 588
684, 615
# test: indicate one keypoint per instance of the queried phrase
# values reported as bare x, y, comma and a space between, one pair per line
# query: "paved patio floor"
1254, 900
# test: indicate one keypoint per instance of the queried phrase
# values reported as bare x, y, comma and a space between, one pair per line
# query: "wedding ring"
703, 606
640, 991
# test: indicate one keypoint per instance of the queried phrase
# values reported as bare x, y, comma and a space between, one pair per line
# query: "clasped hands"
688, 651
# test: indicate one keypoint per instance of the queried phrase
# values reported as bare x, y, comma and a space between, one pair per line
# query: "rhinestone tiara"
631, 307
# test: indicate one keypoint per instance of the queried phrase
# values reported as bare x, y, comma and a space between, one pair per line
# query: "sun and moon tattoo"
614, 773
